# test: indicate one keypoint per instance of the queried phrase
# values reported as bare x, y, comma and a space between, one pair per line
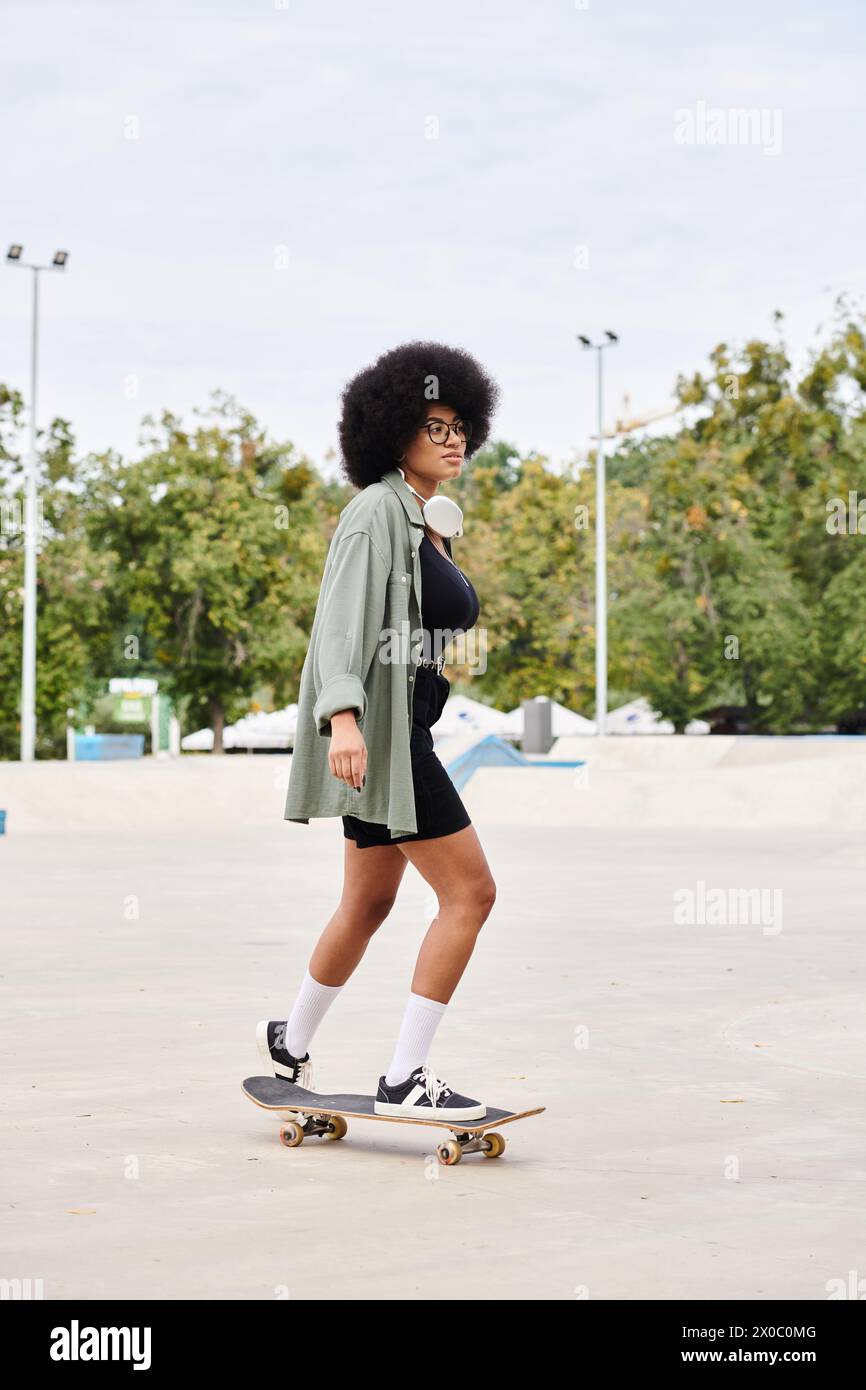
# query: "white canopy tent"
271, 729
638, 717
462, 713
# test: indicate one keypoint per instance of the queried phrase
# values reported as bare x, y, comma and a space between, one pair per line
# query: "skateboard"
307, 1112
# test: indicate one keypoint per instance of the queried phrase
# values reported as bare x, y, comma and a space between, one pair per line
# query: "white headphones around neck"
440, 513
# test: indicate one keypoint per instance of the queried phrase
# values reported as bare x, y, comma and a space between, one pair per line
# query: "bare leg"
371, 878
456, 868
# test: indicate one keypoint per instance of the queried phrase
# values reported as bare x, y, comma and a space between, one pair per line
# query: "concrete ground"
704, 1135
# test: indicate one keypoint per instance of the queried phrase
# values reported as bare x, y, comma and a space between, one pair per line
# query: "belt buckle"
436, 665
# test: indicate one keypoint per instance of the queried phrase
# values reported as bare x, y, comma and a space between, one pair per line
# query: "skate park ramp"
660, 781
465, 754
669, 781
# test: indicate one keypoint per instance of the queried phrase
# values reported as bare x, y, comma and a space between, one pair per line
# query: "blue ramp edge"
493, 751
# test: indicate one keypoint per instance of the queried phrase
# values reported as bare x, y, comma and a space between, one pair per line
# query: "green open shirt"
365, 638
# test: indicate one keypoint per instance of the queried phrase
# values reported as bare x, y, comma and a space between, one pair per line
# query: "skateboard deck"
309, 1112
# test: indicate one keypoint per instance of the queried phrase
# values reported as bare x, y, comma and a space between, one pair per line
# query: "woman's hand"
347, 755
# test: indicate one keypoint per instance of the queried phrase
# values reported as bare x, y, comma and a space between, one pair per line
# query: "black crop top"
449, 603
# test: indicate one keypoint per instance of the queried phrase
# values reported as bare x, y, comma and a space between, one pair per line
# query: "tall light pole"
28, 646
600, 545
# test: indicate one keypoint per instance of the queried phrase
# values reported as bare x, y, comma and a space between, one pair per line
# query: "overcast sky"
263, 197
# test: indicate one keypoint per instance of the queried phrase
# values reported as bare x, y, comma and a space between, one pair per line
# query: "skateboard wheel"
494, 1145
291, 1135
450, 1152
337, 1127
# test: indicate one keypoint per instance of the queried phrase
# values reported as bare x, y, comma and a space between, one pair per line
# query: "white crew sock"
420, 1022
310, 1007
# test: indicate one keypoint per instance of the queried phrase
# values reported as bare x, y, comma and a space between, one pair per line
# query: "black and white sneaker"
423, 1096
277, 1060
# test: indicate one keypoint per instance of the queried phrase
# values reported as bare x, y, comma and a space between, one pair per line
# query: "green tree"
71, 586
736, 553
219, 541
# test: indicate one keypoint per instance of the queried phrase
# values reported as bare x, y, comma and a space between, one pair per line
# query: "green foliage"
218, 548
72, 581
199, 562
742, 576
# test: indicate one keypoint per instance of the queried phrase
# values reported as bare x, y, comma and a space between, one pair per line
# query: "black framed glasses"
439, 430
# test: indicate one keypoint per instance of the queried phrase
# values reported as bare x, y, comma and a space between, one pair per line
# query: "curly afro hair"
385, 404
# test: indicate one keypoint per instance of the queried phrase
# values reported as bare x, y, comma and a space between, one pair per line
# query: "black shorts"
438, 808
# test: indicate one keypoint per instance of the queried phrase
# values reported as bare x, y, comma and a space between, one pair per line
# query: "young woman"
363, 747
